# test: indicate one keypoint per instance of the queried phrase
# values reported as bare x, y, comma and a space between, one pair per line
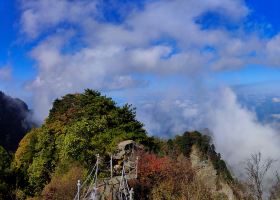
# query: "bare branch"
256, 170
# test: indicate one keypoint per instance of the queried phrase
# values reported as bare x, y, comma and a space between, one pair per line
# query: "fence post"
79, 187
96, 172
136, 168
111, 165
131, 194
95, 193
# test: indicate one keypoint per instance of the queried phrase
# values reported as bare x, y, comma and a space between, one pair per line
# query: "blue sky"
135, 49
14, 50
265, 12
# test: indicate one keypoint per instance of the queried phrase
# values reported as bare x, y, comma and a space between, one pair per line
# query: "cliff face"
14, 122
208, 174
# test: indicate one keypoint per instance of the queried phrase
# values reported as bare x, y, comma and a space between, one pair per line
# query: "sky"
136, 51
181, 63
15, 48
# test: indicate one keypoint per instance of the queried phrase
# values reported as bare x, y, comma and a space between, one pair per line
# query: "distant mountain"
14, 121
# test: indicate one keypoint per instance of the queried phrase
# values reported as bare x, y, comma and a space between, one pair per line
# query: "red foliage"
158, 173
152, 168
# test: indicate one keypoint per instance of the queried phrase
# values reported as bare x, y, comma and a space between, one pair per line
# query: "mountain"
78, 127
83, 127
14, 121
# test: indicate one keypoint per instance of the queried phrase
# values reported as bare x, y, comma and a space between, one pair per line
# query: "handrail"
124, 192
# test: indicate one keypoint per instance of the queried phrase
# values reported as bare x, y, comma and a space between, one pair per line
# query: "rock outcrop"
209, 176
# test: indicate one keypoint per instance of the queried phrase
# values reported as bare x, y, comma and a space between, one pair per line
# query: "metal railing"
88, 190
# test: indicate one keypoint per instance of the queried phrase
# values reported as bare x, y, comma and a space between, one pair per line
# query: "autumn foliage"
153, 166
63, 187
161, 177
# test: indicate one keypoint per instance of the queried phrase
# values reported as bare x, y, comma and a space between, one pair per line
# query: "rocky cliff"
208, 174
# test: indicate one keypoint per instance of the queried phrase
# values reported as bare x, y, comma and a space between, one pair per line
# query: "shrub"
63, 187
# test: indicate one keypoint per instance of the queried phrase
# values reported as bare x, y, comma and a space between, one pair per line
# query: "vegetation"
166, 178
7, 176
63, 187
169, 173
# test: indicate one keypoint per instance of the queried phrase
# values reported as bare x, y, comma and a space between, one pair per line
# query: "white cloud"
39, 16
273, 51
168, 117
237, 135
235, 126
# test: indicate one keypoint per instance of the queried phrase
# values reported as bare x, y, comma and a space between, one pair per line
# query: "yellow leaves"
25, 146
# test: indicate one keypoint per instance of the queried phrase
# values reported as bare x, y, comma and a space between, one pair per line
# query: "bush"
63, 187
